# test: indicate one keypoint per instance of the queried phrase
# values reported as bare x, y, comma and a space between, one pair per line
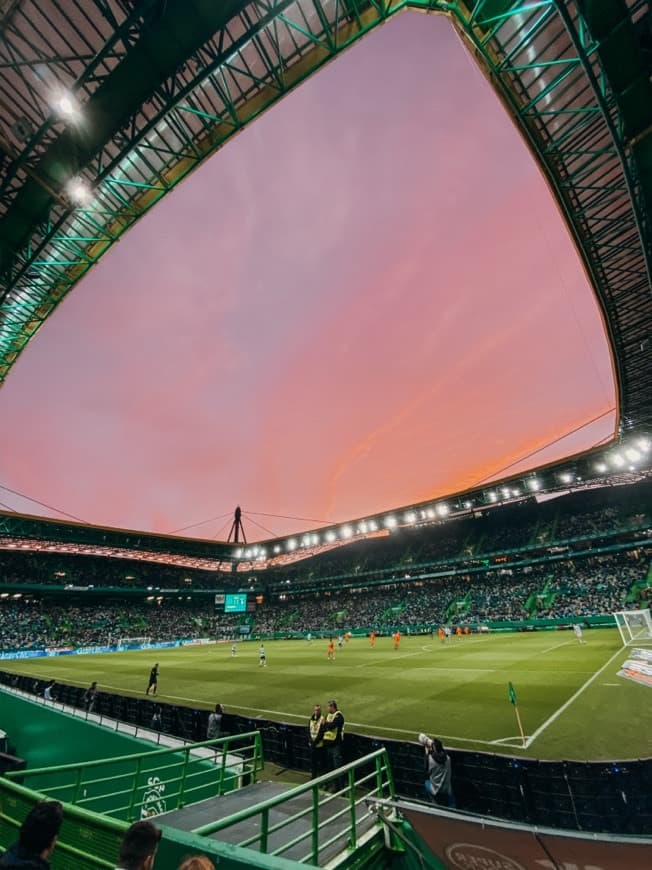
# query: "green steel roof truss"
163, 85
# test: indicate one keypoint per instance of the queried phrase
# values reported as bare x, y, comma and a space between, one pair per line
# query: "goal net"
133, 641
633, 625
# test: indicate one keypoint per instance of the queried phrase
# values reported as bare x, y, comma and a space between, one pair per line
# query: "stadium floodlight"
430, 513
534, 484
248, 554
566, 477
505, 492
516, 492
291, 544
373, 526
331, 536
600, 467
443, 510
632, 455
492, 496
644, 444
618, 460
410, 517
78, 191
238, 553
277, 548
66, 105
315, 540
468, 505
391, 522
346, 532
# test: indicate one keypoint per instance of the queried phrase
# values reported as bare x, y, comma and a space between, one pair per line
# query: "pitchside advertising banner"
90, 650
638, 667
469, 844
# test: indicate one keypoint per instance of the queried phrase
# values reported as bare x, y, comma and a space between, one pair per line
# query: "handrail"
184, 775
380, 779
212, 827
220, 741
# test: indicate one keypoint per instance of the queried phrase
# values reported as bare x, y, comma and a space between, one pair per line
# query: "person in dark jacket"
438, 771
36, 839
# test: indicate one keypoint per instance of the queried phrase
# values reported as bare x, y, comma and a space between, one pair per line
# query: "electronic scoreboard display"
235, 603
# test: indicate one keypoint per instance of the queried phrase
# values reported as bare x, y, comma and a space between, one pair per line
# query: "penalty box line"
530, 740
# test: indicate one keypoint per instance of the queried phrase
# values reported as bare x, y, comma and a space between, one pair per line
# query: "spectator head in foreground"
37, 838
197, 862
139, 845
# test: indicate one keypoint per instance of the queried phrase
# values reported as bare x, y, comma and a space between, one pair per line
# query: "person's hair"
197, 862
138, 843
332, 704
41, 826
437, 745
219, 708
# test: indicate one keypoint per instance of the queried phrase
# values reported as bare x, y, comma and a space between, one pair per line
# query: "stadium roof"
107, 104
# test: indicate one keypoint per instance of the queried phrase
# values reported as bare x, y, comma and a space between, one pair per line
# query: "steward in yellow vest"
331, 731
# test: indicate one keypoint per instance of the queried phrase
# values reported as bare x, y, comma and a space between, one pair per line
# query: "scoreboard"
235, 603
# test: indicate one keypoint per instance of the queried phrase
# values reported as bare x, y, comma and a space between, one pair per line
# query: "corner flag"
512, 698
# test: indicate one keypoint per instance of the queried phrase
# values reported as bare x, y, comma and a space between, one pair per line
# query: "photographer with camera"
438, 784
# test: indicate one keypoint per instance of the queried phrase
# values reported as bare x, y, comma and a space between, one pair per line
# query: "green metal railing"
149, 783
90, 841
86, 842
336, 821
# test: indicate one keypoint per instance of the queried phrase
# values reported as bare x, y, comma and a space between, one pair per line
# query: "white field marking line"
366, 726
611, 684
283, 713
508, 740
391, 659
530, 740
556, 646
424, 649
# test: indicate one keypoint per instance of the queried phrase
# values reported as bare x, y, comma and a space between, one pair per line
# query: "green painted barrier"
89, 841
46, 737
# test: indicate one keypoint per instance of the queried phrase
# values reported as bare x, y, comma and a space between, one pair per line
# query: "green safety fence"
149, 783
90, 841
336, 821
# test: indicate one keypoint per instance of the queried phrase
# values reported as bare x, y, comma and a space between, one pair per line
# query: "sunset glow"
366, 299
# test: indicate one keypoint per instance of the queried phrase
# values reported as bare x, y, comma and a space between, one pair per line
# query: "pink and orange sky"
366, 300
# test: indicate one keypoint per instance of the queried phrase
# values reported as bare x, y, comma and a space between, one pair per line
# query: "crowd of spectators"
32, 623
558, 590
584, 518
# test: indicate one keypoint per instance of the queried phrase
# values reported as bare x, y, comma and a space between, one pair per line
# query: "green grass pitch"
571, 700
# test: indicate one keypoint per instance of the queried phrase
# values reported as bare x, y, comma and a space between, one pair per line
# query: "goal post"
133, 641
633, 625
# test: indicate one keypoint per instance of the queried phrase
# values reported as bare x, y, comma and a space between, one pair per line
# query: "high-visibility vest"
315, 725
330, 736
